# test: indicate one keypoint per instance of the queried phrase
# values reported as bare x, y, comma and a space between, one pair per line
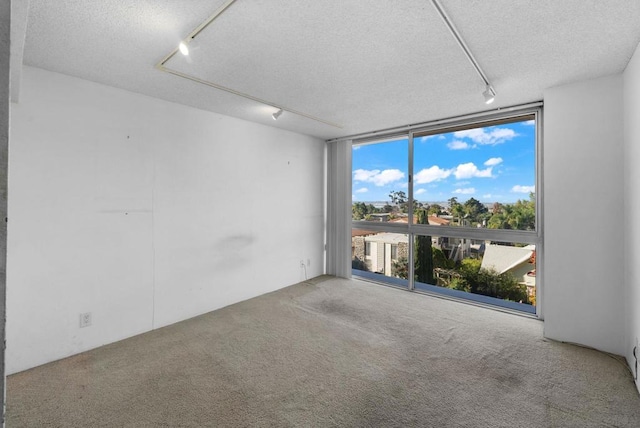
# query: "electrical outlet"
85, 319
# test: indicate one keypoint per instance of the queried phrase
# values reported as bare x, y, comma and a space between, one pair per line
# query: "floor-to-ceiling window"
452, 209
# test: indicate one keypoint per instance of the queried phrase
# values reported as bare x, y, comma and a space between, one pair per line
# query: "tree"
398, 197
440, 260
475, 210
452, 203
416, 206
360, 210
358, 264
400, 268
424, 253
458, 211
435, 209
490, 283
518, 216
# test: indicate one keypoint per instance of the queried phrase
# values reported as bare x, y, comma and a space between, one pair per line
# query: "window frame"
535, 237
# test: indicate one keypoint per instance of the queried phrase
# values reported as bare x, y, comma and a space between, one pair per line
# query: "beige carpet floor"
333, 353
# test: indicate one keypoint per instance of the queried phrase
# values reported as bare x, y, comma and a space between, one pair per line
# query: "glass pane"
481, 177
380, 180
381, 256
499, 273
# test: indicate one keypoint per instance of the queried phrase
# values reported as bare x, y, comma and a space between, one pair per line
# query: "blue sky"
492, 164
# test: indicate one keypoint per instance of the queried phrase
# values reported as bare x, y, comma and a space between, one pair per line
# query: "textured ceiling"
361, 65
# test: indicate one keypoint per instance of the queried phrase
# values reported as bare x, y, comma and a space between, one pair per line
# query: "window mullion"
410, 222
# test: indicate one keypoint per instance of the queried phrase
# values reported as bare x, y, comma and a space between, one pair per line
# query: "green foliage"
435, 209
518, 216
469, 267
467, 276
424, 253
400, 202
360, 210
452, 203
490, 283
440, 260
400, 268
474, 210
416, 206
508, 288
456, 209
358, 264
398, 197
459, 284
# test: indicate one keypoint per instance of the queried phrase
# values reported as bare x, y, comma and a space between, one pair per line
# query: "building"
376, 252
515, 260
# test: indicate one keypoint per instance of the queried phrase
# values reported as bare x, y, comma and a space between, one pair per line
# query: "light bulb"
489, 95
184, 49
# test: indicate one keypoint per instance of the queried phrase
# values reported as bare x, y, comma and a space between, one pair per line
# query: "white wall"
632, 204
144, 213
583, 214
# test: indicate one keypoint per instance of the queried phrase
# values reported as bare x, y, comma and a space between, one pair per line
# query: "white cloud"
458, 145
487, 196
493, 162
364, 175
424, 139
435, 173
467, 191
362, 190
487, 136
356, 147
530, 122
469, 170
428, 137
462, 171
377, 177
523, 189
420, 191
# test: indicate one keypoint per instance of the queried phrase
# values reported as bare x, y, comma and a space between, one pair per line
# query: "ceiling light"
277, 114
489, 95
184, 49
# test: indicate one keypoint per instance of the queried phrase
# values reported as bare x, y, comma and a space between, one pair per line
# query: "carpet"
333, 353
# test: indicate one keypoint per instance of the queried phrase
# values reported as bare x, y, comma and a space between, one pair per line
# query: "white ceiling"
363, 65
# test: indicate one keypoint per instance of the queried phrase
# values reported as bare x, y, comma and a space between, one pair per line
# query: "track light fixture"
277, 114
489, 95
183, 48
